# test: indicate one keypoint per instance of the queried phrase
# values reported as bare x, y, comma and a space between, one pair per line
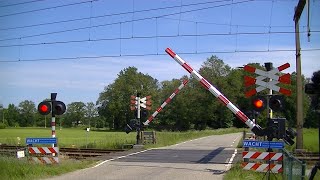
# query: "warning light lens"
44, 108
258, 103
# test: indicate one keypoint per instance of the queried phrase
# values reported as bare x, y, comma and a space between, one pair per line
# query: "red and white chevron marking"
167, 101
258, 167
262, 155
212, 89
43, 150
45, 160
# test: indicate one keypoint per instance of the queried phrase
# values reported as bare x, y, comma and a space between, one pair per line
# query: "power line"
42, 9
15, 4
158, 54
108, 24
228, 24
152, 37
108, 15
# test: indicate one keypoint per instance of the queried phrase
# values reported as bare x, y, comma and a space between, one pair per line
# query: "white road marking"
228, 166
120, 157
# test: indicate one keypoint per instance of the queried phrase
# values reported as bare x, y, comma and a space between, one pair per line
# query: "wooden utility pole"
297, 14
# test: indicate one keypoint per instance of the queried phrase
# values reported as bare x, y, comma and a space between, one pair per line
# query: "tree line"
193, 108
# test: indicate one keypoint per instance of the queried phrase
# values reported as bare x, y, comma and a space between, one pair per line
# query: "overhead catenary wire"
21, 3
139, 11
47, 8
151, 37
127, 21
156, 54
112, 14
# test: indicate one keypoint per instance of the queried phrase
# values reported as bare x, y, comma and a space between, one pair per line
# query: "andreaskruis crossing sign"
262, 85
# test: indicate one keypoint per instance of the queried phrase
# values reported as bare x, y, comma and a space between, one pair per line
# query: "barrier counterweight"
167, 101
253, 127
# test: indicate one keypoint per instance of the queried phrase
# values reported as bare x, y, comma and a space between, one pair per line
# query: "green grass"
236, 172
310, 141
18, 169
74, 137
71, 137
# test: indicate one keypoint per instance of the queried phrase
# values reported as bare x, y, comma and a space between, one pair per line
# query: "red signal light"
44, 108
259, 103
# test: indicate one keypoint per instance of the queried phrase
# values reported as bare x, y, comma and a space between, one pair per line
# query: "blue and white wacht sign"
263, 144
41, 140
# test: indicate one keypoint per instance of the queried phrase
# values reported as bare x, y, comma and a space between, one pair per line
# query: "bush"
2, 126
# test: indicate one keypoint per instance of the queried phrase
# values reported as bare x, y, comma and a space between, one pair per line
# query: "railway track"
307, 156
81, 153
77, 153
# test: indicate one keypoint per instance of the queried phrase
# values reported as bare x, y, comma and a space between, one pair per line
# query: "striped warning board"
262, 167
259, 167
43, 150
262, 155
45, 160
44, 155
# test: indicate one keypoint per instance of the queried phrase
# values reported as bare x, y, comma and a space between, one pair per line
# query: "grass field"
73, 137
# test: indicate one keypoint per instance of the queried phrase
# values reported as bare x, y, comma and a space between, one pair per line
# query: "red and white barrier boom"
255, 128
167, 101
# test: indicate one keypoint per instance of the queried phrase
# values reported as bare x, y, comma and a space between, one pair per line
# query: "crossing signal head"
44, 108
133, 124
259, 103
58, 108
276, 103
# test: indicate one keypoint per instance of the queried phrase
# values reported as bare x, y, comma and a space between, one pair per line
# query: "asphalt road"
204, 158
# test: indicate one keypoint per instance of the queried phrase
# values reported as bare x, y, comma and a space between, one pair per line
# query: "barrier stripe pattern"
258, 167
212, 89
270, 74
167, 101
45, 160
43, 150
53, 127
262, 155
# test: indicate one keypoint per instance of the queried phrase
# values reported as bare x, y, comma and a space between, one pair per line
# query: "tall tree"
27, 110
75, 114
12, 115
114, 101
91, 112
216, 72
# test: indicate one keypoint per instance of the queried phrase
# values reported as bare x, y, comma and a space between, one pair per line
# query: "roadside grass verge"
20, 169
236, 173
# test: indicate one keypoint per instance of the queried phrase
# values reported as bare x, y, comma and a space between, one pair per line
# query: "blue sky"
44, 58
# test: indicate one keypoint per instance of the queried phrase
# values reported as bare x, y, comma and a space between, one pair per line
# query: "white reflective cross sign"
262, 85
